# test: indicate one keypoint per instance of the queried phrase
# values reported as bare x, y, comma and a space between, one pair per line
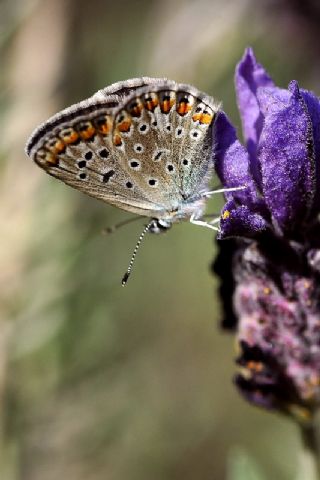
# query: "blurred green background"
97, 381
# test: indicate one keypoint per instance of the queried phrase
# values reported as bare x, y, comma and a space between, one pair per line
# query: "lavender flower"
274, 251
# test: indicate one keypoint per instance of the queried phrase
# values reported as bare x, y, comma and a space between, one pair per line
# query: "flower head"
275, 247
281, 161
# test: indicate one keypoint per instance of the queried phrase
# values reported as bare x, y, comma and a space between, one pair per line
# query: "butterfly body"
143, 145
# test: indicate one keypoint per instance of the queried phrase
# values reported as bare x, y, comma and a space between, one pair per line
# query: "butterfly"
143, 145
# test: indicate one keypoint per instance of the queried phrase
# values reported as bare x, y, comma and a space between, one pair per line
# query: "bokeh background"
97, 381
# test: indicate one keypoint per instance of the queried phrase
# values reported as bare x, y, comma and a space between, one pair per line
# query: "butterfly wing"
125, 88
142, 145
76, 147
163, 136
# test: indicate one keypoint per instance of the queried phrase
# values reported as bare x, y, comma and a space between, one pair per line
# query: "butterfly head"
182, 210
158, 225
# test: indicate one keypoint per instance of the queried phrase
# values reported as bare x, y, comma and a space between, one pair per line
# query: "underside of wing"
163, 137
126, 87
76, 147
143, 145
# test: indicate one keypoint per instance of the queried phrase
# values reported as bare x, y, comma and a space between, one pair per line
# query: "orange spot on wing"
196, 117
206, 118
166, 105
183, 108
70, 137
117, 140
151, 102
125, 125
202, 118
56, 146
86, 131
135, 108
103, 125
59, 146
44, 156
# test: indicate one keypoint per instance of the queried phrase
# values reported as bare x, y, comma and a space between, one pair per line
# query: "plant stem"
310, 458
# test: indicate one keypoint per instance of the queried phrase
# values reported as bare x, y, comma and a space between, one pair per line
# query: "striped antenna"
126, 276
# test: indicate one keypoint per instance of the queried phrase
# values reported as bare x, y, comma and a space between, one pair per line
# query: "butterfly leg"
202, 223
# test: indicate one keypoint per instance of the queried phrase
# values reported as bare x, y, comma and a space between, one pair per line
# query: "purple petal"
287, 163
232, 162
250, 76
240, 221
313, 105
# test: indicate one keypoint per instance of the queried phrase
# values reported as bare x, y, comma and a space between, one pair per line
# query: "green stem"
310, 458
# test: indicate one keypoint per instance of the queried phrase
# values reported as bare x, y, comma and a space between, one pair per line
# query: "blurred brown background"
97, 381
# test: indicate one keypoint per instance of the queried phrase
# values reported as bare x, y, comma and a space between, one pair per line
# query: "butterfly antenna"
113, 228
126, 276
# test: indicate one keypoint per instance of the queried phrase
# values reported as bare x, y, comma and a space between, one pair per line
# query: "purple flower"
270, 266
279, 163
